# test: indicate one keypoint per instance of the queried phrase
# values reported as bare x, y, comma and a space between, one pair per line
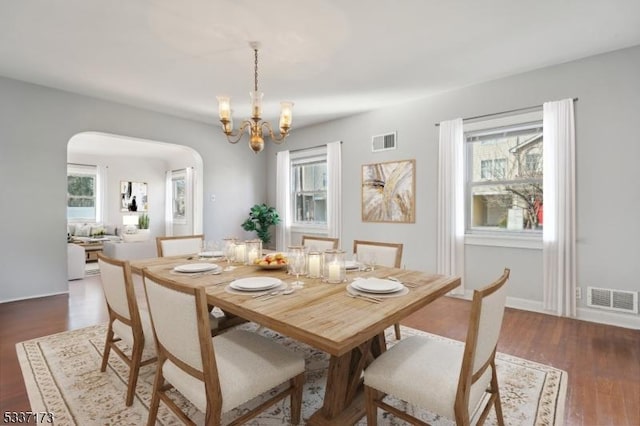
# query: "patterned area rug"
62, 376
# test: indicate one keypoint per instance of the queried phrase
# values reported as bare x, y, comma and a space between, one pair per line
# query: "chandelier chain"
255, 51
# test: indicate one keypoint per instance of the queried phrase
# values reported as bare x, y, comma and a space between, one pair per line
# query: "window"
178, 196
309, 187
504, 178
82, 193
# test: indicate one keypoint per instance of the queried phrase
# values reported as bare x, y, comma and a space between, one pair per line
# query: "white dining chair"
447, 379
180, 245
216, 374
126, 321
383, 254
316, 243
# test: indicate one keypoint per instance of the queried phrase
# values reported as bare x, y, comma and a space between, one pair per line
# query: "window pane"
81, 200
309, 186
178, 193
505, 181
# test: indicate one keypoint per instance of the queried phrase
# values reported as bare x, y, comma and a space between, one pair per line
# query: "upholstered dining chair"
315, 243
216, 374
448, 379
126, 321
176, 246
385, 254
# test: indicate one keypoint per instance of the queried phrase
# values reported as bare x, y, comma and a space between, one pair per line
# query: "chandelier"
255, 125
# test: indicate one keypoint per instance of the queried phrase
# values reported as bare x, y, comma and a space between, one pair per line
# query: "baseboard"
584, 314
34, 297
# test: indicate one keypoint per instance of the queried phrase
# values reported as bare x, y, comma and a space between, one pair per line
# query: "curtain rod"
310, 147
503, 112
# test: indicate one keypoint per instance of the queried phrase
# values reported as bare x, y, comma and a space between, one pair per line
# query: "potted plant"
143, 221
261, 217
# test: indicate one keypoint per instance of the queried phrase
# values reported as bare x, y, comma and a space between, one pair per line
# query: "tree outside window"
81, 193
504, 179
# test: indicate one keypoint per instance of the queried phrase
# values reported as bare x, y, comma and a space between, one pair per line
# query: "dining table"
326, 316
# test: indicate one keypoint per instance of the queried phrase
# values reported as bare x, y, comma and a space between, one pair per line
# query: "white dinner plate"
196, 267
255, 283
377, 285
351, 265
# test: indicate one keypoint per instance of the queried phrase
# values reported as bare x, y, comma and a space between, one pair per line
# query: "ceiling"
333, 58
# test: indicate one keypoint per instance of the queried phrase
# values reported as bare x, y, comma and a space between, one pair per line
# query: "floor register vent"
616, 300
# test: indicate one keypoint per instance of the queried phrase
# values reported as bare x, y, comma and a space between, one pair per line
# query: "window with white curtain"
179, 196
82, 193
504, 178
309, 191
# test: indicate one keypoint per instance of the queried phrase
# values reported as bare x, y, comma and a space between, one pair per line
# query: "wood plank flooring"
603, 362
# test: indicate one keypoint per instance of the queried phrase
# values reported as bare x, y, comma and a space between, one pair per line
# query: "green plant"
261, 217
143, 221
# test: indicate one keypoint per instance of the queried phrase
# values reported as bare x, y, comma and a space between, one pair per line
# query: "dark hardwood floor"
603, 362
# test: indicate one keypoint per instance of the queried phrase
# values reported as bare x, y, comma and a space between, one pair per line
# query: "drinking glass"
229, 252
297, 263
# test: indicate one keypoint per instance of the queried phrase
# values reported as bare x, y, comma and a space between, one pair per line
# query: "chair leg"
297, 384
370, 395
496, 391
107, 349
396, 327
136, 359
155, 399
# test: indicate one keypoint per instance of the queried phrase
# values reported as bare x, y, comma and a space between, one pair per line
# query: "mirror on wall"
133, 196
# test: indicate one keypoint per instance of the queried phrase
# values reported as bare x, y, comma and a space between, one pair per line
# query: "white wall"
608, 149
36, 124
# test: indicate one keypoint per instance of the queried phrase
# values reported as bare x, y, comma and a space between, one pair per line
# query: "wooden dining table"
322, 315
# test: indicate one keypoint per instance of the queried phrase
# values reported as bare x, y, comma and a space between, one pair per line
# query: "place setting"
257, 286
197, 269
376, 289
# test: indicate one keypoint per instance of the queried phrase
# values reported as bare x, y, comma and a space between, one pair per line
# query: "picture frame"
388, 192
133, 196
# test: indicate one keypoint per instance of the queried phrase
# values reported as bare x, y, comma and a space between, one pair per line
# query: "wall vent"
383, 142
616, 300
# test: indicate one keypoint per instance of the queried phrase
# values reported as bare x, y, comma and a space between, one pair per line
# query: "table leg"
343, 402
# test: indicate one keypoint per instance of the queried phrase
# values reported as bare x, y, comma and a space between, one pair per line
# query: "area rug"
62, 376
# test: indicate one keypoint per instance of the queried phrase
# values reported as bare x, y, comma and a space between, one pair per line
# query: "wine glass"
298, 263
229, 252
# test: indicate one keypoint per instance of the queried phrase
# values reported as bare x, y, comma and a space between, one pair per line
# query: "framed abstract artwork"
388, 192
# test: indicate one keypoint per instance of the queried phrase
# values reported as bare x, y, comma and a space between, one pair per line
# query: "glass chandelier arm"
235, 138
277, 139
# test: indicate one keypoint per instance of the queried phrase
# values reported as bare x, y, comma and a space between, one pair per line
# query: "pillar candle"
334, 271
314, 266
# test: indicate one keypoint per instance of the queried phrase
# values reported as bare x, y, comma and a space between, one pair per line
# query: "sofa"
130, 250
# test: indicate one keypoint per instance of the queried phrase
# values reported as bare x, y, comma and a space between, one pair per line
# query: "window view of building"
309, 189
81, 192
504, 178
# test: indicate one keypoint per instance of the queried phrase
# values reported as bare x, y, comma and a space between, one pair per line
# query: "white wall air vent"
615, 300
383, 142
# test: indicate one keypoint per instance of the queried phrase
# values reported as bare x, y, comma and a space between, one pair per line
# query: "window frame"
303, 157
175, 176
74, 169
530, 238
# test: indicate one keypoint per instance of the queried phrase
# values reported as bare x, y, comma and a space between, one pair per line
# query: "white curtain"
190, 208
450, 239
283, 195
102, 178
334, 187
168, 204
559, 226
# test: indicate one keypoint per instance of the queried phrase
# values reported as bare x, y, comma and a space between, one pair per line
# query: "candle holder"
253, 252
314, 264
333, 268
240, 252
